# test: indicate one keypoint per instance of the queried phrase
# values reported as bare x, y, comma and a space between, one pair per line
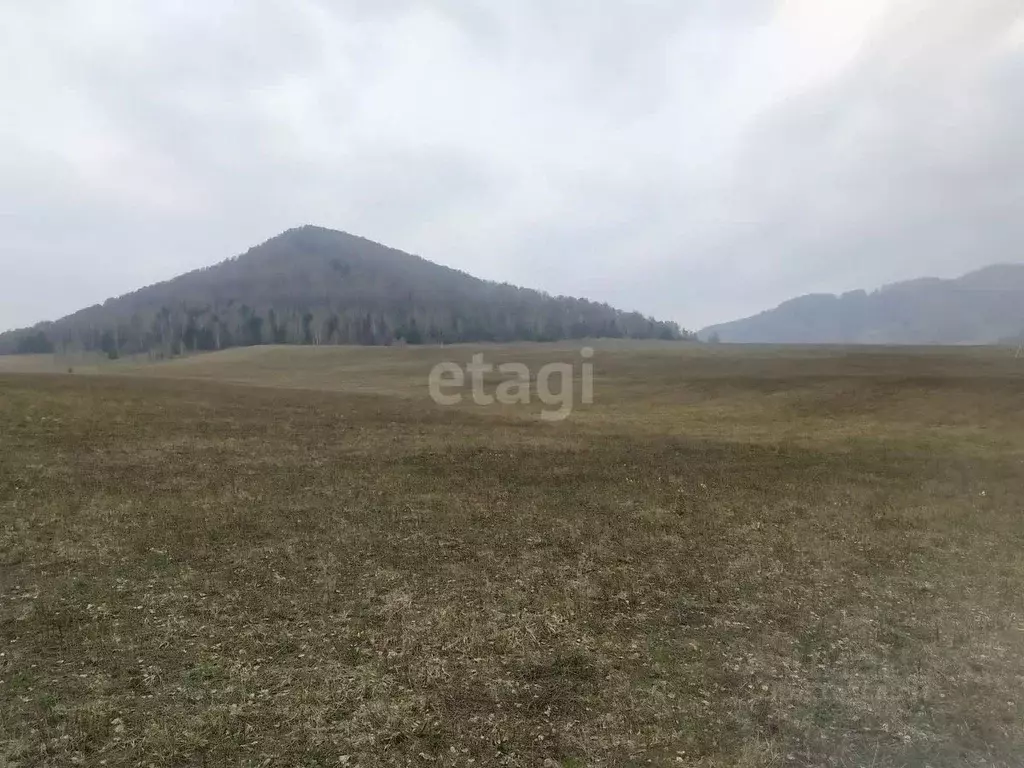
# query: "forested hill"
983, 307
318, 286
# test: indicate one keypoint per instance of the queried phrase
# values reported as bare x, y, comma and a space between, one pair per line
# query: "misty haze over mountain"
983, 307
696, 161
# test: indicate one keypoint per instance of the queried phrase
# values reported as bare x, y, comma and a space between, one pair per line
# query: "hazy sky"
698, 160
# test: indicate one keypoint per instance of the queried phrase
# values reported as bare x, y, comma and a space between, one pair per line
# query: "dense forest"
317, 286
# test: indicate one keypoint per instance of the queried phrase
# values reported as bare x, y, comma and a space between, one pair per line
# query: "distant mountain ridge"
312, 285
982, 307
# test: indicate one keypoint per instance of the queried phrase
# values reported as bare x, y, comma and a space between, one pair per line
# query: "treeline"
313, 286
183, 329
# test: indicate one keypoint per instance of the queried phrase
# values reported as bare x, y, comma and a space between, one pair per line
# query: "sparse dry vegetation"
757, 558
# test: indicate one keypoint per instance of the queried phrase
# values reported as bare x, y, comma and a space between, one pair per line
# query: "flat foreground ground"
732, 558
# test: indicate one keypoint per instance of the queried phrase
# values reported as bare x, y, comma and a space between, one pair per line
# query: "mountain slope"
983, 307
312, 285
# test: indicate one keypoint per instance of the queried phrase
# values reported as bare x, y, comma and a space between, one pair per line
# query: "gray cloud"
699, 161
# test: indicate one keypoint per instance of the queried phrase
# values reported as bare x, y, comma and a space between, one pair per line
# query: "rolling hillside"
983, 307
317, 286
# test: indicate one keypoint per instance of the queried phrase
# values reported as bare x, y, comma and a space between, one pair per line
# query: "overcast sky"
697, 160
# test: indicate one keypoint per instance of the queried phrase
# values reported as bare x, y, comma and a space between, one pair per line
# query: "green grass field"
734, 557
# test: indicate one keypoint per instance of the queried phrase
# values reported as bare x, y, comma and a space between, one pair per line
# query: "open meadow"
734, 557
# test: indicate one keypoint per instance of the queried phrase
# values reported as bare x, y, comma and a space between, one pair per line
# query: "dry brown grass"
752, 558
